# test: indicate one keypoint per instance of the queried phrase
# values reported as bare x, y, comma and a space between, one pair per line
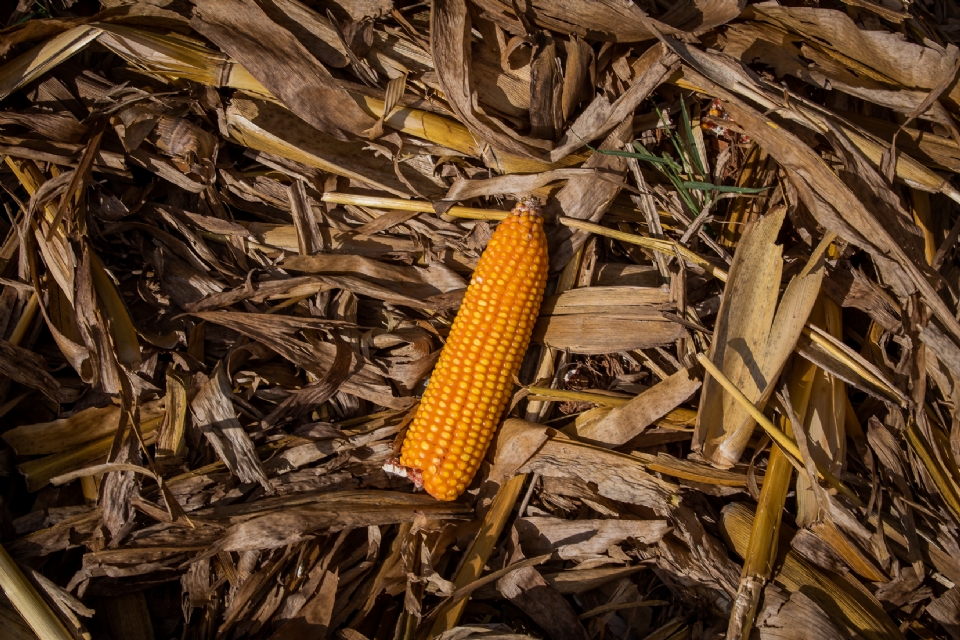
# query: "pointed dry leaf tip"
471, 383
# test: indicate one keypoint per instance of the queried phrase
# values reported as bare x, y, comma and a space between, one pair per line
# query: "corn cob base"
469, 388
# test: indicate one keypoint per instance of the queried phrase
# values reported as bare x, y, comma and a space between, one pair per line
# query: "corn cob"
470, 385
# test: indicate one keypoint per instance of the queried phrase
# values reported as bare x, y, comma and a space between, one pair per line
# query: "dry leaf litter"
235, 237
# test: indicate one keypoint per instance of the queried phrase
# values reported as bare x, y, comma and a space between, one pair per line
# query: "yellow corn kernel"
470, 386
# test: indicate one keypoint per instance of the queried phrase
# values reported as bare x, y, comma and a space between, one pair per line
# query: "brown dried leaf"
573, 538
276, 333
269, 127
347, 509
602, 116
283, 65
606, 333
616, 476
835, 205
946, 611
464, 189
616, 21
313, 619
215, 416
584, 198
527, 589
794, 616
516, 441
888, 55
847, 604
450, 25
413, 281
316, 393
27, 368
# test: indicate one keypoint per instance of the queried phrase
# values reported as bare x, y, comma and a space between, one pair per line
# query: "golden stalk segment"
741, 209
663, 245
602, 399
26, 320
19, 333
39, 472
870, 377
471, 384
418, 206
479, 552
761, 550
923, 216
949, 490
34, 63
28, 602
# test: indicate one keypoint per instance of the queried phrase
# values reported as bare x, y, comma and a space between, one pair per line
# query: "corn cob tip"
529, 205
393, 467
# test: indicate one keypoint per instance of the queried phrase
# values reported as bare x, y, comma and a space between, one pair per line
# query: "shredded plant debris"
235, 237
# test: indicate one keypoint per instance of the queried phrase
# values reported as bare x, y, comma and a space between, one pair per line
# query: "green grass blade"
709, 186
